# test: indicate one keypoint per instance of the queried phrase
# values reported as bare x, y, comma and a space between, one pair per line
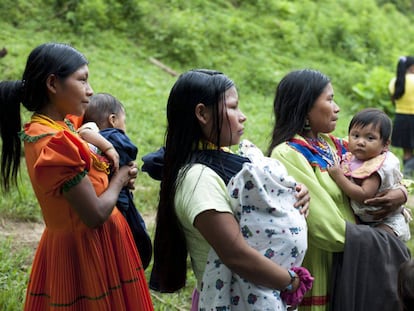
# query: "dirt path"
28, 233
23, 233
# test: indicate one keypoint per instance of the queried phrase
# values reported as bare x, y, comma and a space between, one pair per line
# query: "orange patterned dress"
76, 267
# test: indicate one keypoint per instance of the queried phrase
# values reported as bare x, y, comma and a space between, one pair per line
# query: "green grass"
14, 265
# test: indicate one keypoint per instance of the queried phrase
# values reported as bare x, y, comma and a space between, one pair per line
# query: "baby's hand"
335, 170
113, 157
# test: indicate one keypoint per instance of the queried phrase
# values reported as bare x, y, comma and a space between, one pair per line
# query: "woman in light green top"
305, 115
194, 211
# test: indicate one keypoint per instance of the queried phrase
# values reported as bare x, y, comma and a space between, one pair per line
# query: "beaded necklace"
323, 149
207, 145
45, 120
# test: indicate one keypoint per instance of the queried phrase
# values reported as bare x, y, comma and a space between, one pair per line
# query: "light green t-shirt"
201, 189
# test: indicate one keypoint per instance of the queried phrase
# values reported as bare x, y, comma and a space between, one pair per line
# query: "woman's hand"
304, 283
133, 174
126, 175
303, 199
390, 200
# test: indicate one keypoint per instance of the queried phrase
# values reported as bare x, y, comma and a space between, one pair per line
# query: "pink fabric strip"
194, 300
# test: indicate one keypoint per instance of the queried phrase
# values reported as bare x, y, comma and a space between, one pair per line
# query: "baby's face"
365, 142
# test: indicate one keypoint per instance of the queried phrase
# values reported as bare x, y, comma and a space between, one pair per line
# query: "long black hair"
404, 62
50, 58
295, 96
182, 138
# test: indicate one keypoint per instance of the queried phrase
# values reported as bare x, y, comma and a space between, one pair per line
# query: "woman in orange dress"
86, 258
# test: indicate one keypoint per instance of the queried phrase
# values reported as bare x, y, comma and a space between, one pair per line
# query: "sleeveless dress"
76, 267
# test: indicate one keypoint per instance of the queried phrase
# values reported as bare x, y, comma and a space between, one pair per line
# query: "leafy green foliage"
373, 91
19, 12
402, 6
87, 17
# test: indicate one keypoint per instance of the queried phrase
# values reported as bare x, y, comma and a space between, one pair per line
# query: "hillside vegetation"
356, 43
255, 42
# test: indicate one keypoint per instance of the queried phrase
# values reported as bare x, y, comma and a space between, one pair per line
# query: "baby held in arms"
262, 195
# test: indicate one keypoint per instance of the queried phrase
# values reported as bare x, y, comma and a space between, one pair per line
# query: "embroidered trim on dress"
315, 301
74, 181
84, 297
100, 165
312, 155
32, 139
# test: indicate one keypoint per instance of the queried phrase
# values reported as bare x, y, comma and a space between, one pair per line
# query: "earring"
306, 126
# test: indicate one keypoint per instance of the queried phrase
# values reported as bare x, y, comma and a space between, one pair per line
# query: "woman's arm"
204, 209
390, 200
222, 232
94, 210
90, 134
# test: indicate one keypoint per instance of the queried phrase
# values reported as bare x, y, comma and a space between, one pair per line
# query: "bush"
373, 91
